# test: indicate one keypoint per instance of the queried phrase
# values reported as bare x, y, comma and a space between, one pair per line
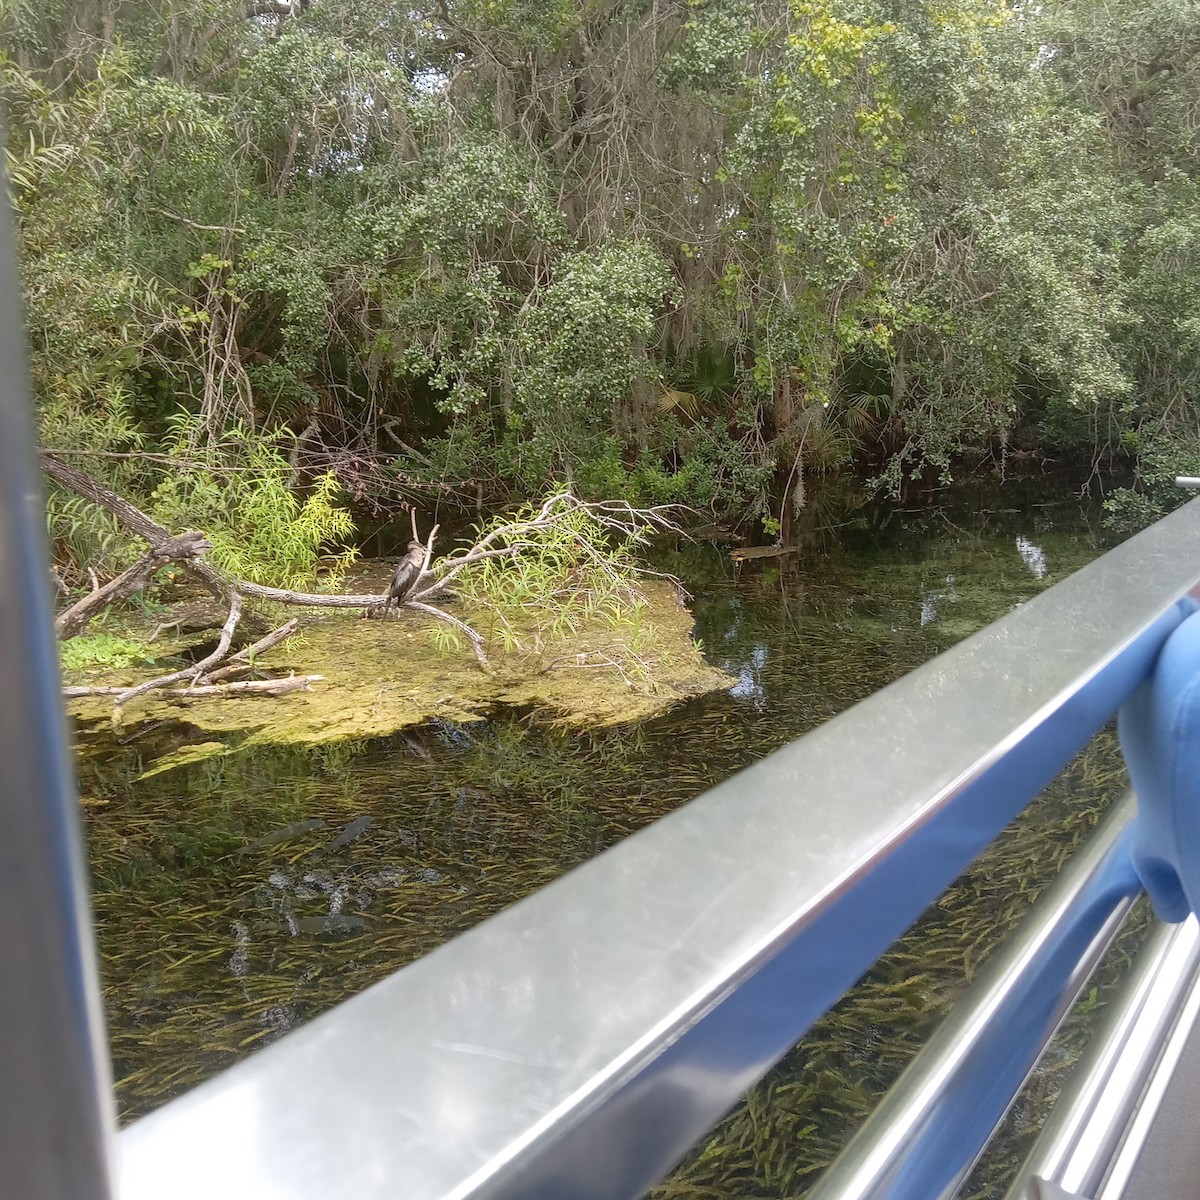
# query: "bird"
405, 577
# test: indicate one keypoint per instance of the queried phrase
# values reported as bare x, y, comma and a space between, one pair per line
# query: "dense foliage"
693, 250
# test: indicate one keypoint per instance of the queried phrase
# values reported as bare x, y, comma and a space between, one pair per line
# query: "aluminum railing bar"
1090, 1122
580, 1042
1152, 1097
922, 1140
56, 1118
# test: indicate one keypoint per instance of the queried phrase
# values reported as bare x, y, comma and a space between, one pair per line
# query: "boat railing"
579, 1043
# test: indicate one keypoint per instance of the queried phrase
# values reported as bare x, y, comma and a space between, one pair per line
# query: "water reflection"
750, 682
932, 599
1034, 557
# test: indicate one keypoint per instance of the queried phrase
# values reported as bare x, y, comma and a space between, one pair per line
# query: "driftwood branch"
257, 687
306, 599
243, 660
182, 549
137, 522
211, 683
197, 670
128, 515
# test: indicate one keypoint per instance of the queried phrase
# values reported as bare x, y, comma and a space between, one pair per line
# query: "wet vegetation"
374, 677
239, 896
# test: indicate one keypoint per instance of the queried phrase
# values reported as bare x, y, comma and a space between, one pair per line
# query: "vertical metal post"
925, 1135
56, 1119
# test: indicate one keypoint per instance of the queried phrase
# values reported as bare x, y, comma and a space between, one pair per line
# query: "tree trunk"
782, 409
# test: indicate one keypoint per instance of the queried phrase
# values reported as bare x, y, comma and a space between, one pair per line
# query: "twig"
195, 671
474, 638
458, 561
166, 212
243, 659
610, 658
427, 543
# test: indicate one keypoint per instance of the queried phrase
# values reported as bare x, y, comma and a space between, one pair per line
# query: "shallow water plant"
102, 652
554, 569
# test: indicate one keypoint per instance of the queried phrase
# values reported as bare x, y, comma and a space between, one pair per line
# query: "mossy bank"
379, 676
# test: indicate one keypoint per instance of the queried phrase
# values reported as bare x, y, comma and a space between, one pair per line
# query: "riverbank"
381, 676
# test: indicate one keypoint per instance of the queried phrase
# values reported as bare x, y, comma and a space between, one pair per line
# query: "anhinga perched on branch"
407, 572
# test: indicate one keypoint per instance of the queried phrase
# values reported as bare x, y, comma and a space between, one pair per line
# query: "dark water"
241, 896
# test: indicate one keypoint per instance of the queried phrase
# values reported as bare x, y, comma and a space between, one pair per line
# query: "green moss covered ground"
381, 676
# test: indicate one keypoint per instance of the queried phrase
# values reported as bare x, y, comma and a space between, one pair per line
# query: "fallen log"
185, 548
260, 687
128, 515
137, 522
554, 519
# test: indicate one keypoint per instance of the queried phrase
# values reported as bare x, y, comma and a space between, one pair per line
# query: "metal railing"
925, 1136
56, 1111
577, 1044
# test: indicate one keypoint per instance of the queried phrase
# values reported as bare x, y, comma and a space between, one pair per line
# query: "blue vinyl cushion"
1160, 735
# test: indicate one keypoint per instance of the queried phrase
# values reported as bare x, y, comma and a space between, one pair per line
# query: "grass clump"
102, 652
240, 496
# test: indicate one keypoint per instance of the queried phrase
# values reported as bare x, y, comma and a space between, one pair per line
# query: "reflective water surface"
240, 896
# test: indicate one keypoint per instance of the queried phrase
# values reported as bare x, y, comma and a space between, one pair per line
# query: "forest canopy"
692, 251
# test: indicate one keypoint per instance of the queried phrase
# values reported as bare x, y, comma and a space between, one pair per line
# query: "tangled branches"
557, 564
554, 566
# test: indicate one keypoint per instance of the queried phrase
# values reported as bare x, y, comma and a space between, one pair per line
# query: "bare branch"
474, 638
260, 687
244, 659
128, 515
195, 671
166, 212
185, 547
618, 516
